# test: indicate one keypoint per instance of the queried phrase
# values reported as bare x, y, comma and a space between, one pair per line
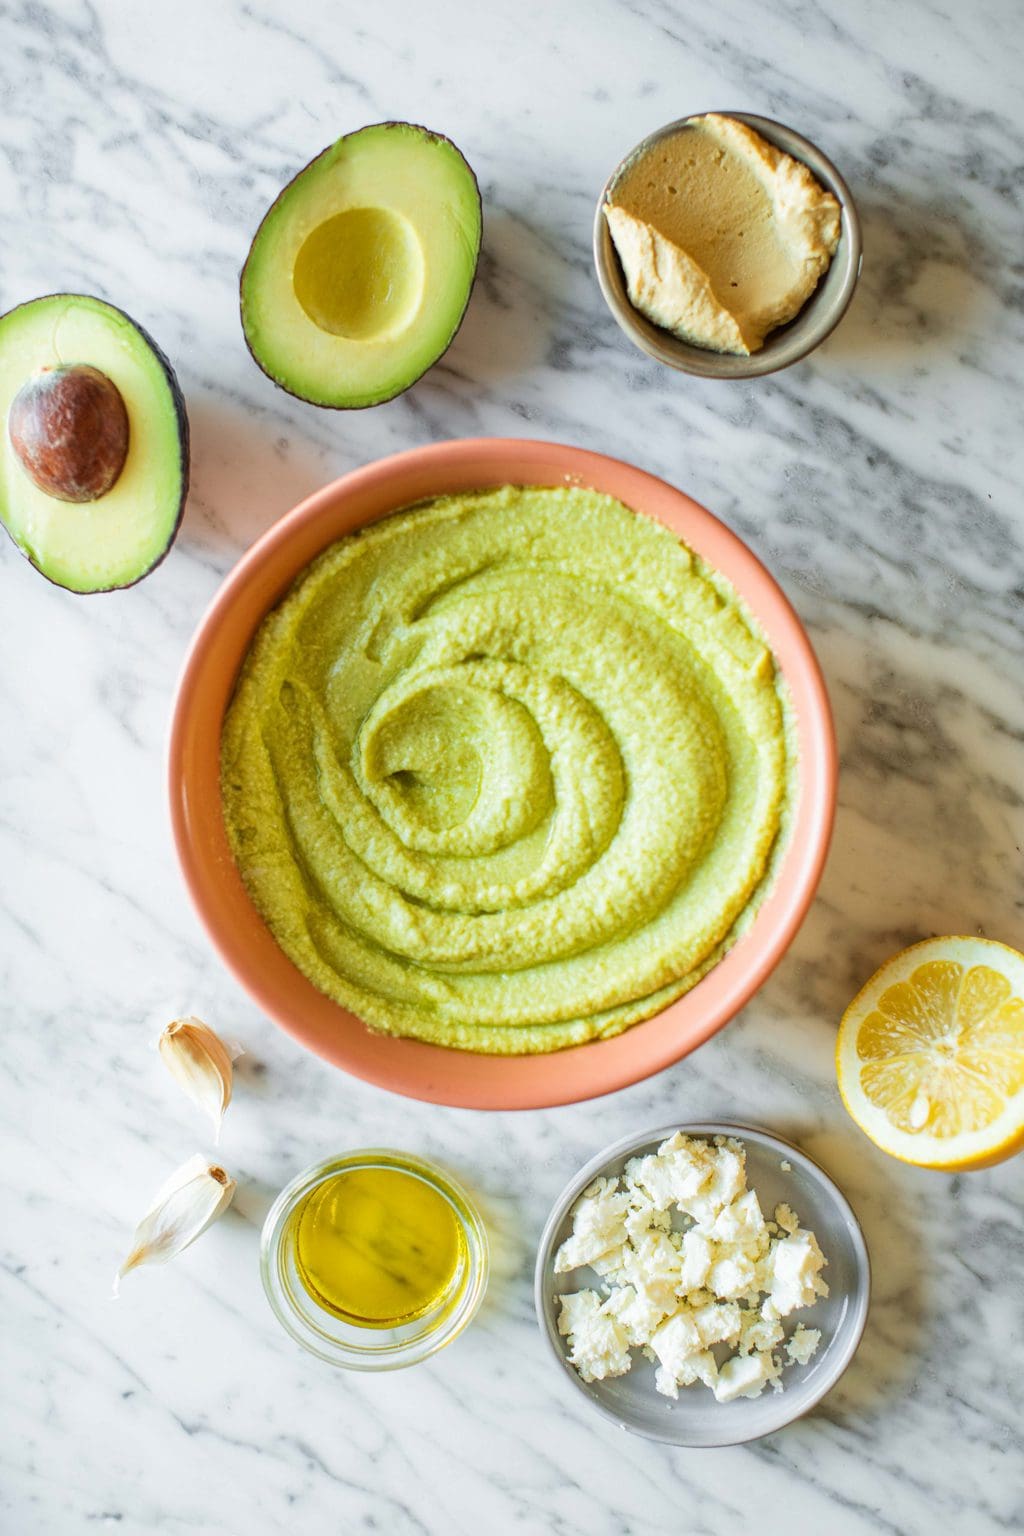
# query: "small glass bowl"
344, 1344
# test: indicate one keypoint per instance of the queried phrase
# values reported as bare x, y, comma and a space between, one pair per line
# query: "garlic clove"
193, 1197
200, 1063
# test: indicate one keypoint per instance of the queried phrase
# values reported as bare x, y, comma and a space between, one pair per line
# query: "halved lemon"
930, 1056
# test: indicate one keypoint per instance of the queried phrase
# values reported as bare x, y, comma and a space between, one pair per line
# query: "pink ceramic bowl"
461, 1078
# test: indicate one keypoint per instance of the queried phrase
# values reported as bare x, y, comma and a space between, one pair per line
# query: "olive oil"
377, 1247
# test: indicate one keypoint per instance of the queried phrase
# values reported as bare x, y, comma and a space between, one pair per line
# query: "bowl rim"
430, 1072
859, 1299
701, 362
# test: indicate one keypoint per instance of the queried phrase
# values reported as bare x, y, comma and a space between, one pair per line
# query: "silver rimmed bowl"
819, 316
696, 1419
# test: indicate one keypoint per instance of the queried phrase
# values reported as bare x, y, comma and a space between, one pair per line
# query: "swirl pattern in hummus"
506, 770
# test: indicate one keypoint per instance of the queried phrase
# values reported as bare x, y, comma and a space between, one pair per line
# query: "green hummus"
505, 771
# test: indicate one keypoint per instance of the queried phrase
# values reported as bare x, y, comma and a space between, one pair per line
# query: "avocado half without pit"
94, 459
361, 271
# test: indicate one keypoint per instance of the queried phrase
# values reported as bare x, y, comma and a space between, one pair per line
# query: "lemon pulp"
944, 1049
377, 1247
930, 1055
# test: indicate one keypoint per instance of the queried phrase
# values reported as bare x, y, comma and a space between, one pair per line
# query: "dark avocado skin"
181, 416
437, 138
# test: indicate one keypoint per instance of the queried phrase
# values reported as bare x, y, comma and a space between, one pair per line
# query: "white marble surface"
882, 482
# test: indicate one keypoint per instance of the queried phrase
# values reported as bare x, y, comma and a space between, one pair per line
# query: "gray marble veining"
881, 481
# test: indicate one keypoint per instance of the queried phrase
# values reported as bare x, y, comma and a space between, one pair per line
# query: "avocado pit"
69, 430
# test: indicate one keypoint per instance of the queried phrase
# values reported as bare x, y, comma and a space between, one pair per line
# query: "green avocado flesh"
360, 273
95, 546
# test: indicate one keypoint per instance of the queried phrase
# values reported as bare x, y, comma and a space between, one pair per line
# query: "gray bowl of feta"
703, 1284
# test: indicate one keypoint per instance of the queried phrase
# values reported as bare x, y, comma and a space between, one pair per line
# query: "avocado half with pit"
94, 455
361, 271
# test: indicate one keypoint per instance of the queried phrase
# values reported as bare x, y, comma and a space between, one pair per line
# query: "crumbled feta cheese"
609, 1263
675, 1341
795, 1263
803, 1344
786, 1219
646, 1218
741, 1224
758, 1332
683, 1359
733, 1276
598, 1346
598, 1226
744, 1376
677, 1292
654, 1266
697, 1258
700, 1367
730, 1175
675, 1173
577, 1307
718, 1322
637, 1312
